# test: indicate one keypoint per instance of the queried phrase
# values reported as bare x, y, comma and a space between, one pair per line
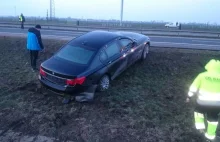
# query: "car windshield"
75, 54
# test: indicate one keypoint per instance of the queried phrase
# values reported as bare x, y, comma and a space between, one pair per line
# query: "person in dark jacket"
34, 44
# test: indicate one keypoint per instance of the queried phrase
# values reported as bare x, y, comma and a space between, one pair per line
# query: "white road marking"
75, 31
218, 41
186, 38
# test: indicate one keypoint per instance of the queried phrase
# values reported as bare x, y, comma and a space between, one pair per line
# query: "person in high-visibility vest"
206, 89
22, 20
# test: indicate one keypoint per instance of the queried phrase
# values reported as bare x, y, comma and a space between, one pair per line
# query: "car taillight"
42, 72
73, 82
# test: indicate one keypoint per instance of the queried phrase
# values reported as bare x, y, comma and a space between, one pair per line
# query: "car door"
116, 62
130, 50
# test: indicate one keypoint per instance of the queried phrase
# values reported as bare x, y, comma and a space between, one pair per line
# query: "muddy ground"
146, 103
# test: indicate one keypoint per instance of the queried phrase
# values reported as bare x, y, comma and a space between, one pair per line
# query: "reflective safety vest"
207, 84
20, 18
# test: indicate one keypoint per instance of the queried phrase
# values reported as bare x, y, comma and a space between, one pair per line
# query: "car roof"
95, 39
131, 35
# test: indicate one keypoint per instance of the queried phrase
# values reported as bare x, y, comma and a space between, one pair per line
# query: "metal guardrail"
106, 27
161, 32
153, 44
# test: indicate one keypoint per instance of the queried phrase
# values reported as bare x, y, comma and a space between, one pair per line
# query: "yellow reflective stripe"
193, 89
211, 130
190, 94
199, 120
208, 96
209, 136
200, 125
197, 114
213, 123
209, 93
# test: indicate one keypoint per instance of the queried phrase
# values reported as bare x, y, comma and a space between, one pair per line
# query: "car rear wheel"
145, 52
104, 83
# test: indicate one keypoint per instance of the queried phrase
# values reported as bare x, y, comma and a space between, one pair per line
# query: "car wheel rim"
104, 83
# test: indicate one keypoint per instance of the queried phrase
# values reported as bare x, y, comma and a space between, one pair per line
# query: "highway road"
157, 41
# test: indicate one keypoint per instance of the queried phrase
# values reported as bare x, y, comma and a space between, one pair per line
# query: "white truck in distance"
172, 25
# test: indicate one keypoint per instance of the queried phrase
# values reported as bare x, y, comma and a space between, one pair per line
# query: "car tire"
145, 52
104, 83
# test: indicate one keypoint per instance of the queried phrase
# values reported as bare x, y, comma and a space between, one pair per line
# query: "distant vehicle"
172, 25
94, 58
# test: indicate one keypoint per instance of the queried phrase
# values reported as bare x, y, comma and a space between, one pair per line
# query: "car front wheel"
103, 84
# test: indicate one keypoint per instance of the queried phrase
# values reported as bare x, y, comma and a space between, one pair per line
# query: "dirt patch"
146, 103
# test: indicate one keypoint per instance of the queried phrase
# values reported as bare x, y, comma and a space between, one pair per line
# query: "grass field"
146, 103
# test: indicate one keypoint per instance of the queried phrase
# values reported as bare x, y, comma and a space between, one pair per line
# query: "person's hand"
43, 50
187, 100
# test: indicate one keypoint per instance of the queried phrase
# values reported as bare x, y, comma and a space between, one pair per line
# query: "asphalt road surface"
157, 41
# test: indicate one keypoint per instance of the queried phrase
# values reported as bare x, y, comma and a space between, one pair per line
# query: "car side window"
112, 49
103, 56
126, 44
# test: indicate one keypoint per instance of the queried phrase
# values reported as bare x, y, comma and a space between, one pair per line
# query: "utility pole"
122, 5
47, 16
52, 9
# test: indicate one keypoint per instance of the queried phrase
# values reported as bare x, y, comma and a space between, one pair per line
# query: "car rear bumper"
59, 89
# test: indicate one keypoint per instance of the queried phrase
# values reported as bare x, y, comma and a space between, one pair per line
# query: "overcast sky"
201, 11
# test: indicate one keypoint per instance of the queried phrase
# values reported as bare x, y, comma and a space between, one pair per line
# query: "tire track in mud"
32, 86
12, 126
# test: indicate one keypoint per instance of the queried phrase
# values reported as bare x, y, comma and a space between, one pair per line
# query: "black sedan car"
94, 58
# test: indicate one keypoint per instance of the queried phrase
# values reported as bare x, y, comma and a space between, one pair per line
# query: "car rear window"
76, 54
